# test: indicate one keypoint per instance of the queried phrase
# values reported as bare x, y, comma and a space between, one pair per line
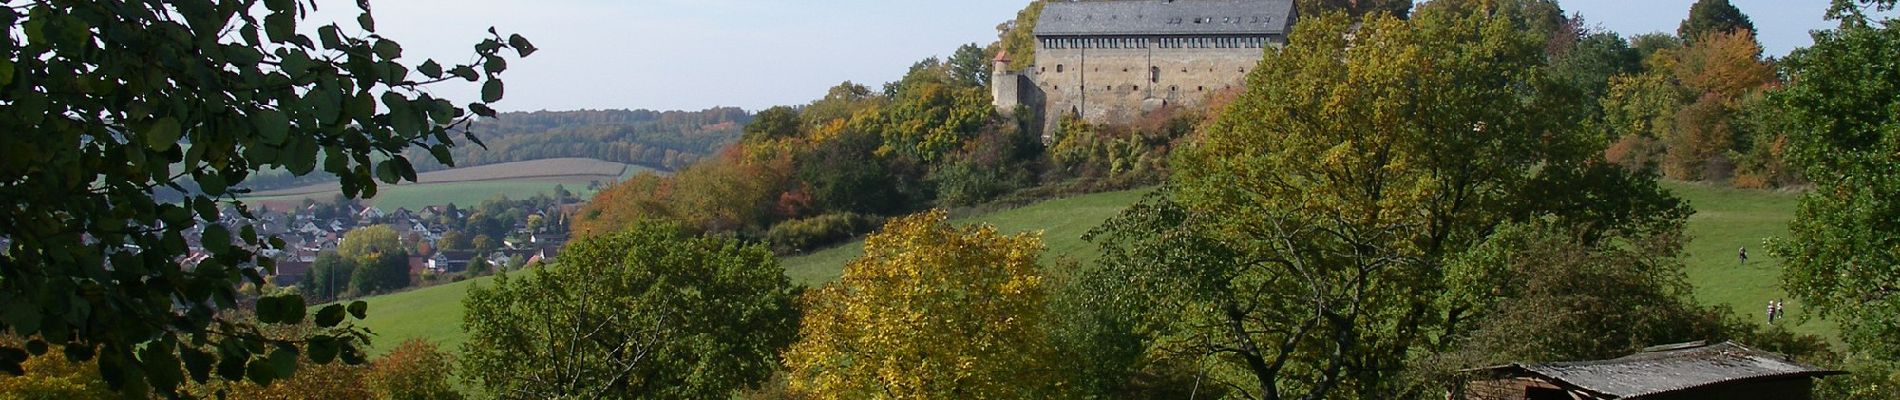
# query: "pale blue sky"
694, 54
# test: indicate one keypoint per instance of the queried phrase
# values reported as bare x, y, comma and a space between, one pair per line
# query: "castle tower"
1004, 84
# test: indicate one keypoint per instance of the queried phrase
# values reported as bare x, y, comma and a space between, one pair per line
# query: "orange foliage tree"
1728, 65
1718, 70
414, 370
731, 192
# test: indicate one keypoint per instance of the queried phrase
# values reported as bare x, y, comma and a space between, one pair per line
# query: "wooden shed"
1687, 371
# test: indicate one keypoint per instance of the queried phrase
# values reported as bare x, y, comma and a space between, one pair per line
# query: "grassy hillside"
1061, 221
434, 313
1726, 219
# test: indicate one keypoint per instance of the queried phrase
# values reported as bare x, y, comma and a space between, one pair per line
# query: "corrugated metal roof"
1163, 17
1669, 370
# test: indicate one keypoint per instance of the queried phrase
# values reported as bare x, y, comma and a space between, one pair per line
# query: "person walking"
1771, 311
1743, 254
1777, 309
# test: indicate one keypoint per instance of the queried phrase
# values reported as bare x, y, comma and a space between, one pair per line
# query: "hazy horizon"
753, 54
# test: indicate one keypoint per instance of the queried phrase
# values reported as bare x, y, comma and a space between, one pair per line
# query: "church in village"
1110, 61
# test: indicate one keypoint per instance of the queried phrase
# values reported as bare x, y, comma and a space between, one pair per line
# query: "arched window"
1058, 68
1154, 74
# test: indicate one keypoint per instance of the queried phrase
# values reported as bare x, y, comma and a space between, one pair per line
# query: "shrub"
815, 232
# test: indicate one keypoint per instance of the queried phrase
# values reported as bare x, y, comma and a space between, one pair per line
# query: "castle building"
1110, 61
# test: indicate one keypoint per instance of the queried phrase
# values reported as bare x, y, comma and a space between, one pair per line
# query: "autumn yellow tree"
930, 311
1726, 64
1638, 112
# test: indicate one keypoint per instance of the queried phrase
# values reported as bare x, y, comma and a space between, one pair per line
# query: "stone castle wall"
1116, 85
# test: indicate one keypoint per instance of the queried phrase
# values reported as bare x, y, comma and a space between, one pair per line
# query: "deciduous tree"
111, 104
927, 119
1839, 256
845, 174
1313, 220
642, 313
1017, 37
1727, 64
1698, 147
1534, 291
380, 272
1713, 17
772, 124
1639, 111
1356, 8
366, 241
414, 370
969, 66
930, 311
329, 276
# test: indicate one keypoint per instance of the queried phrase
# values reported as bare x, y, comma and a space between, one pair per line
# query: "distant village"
442, 241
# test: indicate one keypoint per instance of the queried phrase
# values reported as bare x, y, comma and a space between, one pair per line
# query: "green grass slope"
1062, 223
433, 313
1726, 219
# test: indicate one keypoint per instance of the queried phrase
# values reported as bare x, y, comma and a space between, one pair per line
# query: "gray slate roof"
1163, 17
1669, 369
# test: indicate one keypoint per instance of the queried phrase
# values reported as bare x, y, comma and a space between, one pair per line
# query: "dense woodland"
1396, 197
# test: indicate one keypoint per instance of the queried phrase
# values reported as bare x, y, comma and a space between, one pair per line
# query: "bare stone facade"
1111, 61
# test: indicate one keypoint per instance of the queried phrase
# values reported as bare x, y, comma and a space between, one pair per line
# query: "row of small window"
1253, 42
1154, 73
1138, 88
1257, 19
1214, 43
1225, 20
